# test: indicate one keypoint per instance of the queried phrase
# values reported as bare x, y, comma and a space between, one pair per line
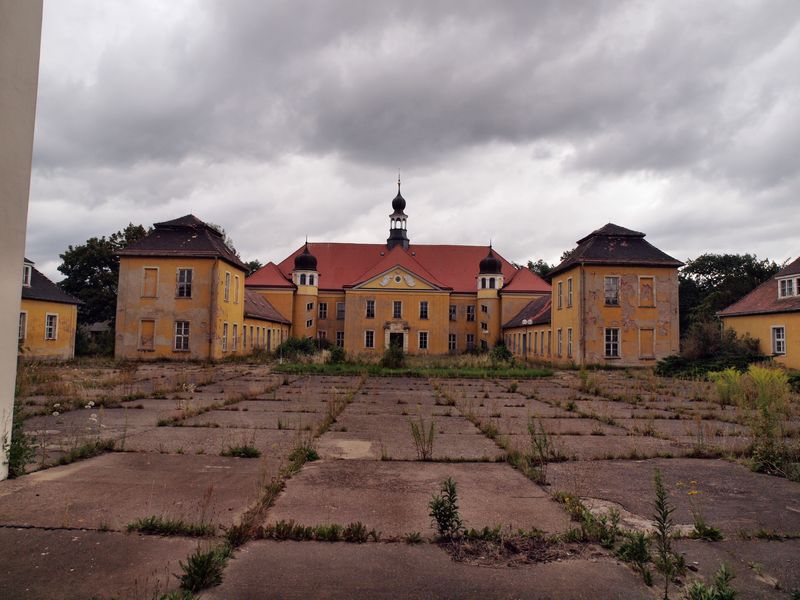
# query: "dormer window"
788, 287
27, 271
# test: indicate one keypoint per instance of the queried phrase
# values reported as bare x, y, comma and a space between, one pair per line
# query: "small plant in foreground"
356, 533
541, 450
444, 511
154, 525
666, 560
20, 450
203, 569
422, 435
88, 450
720, 589
331, 532
177, 595
302, 453
244, 451
414, 537
636, 551
702, 530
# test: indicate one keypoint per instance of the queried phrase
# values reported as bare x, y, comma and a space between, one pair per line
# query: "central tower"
398, 234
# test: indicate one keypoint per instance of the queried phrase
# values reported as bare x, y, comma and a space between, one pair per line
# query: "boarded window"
647, 294
147, 334
150, 282
647, 343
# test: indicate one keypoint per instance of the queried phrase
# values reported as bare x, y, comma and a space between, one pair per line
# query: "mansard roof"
535, 312
615, 245
185, 236
451, 267
764, 299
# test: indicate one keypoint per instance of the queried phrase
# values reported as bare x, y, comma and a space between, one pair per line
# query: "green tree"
253, 266
541, 267
712, 282
91, 271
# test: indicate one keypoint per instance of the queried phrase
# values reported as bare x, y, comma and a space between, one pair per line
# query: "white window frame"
614, 343
619, 290
470, 313
181, 335
47, 316
420, 336
322, 307
453, 312
569, 292
569, 342
559, 341
22, 331
560, 294
310, 306
484, 327
144, 279
309, 323
470, 341
340, 339
787, 287
340, 310
225, 337
367, 333
452, 342
27, 275
484, 309
236, 289
235, 337
185, 285
778, 341
226, 291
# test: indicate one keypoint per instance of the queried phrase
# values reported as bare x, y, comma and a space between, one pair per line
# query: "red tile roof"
394, 258
535, 312
525, 280
764, 299
269, 276
258, 307
455, 267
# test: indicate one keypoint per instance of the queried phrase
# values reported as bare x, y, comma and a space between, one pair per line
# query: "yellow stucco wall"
262, 335
206, 310
637, 322
534, 344
760, 328
461, 327
330, 324
512, 303
34, 344
281, 299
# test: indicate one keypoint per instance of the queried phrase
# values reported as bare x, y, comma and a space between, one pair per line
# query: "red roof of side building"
764, 299
525, 280
269, 276
451, 266
535, 312
258, 307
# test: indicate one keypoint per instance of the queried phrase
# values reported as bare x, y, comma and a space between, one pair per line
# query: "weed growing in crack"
720, 589
243, 451
204, 568
444, 511
422, 435
154, 525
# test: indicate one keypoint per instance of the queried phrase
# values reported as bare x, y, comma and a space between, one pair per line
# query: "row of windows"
183, 283
306, 280
523, 342
489, 283
611, 292
422, 340
50, 326
257, 337
397, 310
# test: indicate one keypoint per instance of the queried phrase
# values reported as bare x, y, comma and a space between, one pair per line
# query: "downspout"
212, 310
582, 322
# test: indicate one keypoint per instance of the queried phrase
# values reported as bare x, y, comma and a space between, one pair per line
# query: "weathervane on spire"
398, 181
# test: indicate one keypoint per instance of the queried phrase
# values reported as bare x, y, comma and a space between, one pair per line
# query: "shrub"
766, 402
501, 353
394, 357
729, 386
422, 435
244, 451
636, 550
203, 569
721, 589
337, 355
20, 450
294, 347
444, 511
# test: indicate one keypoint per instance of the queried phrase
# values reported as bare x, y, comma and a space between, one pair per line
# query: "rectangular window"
244, 337
236, 289
611, 290
369, 339
423, 340
569, 342
269, 337
470, 313
370, 309
549, 341
778, 340
224, 337
786, 288
310, 306
647, 291
569, 292
453, 312
322, 334
484, 345
227, 290
150, 282
323, 310
470, 341
612, 342
340, 310
235, 337
560, 294
184, 287
484, 309
451, 342
535, 341
647, 343
484, 327
252, 339
423, 310
397, 309
147, 334
340, 339
181, 335
27, 271
559, 342
23, 326
310, 323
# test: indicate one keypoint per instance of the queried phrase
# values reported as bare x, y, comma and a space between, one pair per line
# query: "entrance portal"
396, 339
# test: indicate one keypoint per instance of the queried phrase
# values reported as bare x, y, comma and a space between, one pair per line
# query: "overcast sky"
530, 123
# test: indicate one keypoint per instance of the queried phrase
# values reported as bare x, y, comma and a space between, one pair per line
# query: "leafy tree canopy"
253, 266
541, 267
91, 271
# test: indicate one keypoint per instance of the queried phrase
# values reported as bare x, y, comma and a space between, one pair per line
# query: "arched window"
310, 280
483, 283
302, 279
491, 282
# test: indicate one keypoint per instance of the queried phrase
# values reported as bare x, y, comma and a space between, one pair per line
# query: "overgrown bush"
20, 449
728, 384
720, 589
295, 347
337, 355
501, 353
394, 357
444, 511
766, 402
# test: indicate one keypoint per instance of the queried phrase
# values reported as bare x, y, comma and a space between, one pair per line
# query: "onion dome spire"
305, 261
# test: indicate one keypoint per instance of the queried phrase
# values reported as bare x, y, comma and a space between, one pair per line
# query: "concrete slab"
112, 490
211, 440
397, 444
393, 497
596, 447
402, 572
255, 419
733, 497
36, 564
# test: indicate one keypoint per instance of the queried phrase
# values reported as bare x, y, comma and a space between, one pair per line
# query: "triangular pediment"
397, 278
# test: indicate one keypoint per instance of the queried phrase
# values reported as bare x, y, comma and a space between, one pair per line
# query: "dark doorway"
396, 340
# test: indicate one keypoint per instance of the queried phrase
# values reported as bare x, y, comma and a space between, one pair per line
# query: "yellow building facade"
181, 296
614, 301
771, 315
48, 318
